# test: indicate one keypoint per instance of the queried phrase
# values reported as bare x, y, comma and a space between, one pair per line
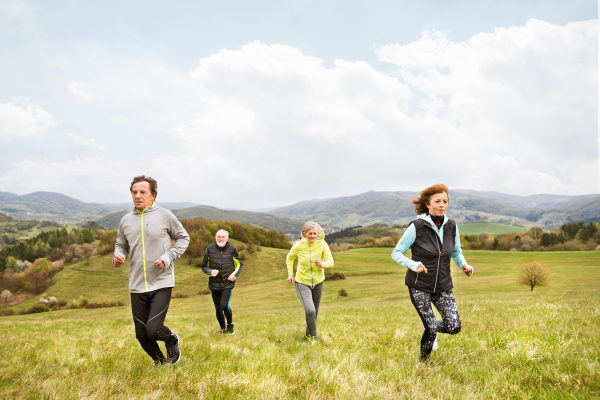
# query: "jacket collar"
427, 218
148, 209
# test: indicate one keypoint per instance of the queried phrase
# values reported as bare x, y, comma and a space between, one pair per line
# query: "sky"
250, 105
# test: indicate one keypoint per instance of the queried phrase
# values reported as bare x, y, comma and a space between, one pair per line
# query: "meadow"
514, 343
489, 228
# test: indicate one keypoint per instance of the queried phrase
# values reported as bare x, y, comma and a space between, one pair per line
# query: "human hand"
467, 270
318, 263
421, 268
291, 279
160, 264
214, 272
118, 260
231, 278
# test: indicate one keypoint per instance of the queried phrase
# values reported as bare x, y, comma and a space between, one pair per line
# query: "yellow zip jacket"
308, 272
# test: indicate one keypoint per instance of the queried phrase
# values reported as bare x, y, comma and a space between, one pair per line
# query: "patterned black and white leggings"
445, 303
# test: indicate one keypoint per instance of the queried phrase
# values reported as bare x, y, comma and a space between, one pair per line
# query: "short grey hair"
310, 226
222, 231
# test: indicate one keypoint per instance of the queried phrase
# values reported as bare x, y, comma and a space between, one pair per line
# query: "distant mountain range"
547, 211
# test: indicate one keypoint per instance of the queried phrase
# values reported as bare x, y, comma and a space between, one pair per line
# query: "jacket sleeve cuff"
167, 260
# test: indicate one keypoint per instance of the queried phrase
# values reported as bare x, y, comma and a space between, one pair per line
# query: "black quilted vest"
435, 256
221, 259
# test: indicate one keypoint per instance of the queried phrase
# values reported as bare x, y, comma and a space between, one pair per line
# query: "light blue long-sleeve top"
409, 236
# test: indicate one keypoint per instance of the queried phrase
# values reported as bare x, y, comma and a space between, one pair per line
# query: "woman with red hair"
433, 239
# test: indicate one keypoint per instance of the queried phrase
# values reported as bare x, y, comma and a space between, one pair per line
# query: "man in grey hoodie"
145, 236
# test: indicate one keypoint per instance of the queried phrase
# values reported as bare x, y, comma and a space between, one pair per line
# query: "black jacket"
435, 256
224, 259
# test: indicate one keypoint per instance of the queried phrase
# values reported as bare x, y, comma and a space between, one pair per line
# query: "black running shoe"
230, 329
173, 352
223, 331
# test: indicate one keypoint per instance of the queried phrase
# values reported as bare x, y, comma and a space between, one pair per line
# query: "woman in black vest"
433, 240
222, 262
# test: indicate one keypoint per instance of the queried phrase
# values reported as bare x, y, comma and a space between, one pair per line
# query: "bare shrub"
342, 293
204, 292
533, 273
336, 248
574, 245
6, 297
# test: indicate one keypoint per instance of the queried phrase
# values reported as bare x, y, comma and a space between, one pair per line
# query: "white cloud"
16, 122
87, 142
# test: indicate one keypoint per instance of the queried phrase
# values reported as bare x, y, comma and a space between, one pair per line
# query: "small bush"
342, 293
104, 304
334, 276
180, 296
243, 254
9, 311
204, 292
83, 301
62, 303
37, 308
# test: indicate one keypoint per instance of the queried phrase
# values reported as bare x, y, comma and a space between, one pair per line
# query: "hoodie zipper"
143, 244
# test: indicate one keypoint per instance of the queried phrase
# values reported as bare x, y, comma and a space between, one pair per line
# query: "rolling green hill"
51, 206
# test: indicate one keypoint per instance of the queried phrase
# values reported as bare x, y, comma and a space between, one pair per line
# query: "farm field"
489, 228
514, 343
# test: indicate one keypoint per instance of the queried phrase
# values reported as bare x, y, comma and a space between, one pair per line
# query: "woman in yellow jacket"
313, 256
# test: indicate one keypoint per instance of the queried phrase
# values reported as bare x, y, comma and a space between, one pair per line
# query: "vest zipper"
439, 258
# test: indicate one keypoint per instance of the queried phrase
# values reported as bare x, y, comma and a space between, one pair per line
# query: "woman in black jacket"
433, 240
222, 262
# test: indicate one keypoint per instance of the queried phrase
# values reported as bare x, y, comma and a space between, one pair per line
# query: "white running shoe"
434, 347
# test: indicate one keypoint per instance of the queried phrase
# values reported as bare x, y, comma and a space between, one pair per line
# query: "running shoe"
311, 340
173, 352
230, 329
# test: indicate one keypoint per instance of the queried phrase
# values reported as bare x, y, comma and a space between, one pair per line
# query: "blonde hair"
310, 226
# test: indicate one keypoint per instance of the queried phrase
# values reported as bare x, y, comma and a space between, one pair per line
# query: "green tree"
11, 263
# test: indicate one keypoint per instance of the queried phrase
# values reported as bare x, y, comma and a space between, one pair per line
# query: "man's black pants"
149, 312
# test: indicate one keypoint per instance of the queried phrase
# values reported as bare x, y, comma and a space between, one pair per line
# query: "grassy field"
514, 343
489, 228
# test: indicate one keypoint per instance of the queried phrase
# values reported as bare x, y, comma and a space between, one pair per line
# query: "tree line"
575, 236
51, 244
202, 233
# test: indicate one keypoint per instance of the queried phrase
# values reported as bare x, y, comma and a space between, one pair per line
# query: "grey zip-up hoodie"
146, 236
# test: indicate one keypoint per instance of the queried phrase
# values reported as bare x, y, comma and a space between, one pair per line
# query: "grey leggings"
445, 303
310, 299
